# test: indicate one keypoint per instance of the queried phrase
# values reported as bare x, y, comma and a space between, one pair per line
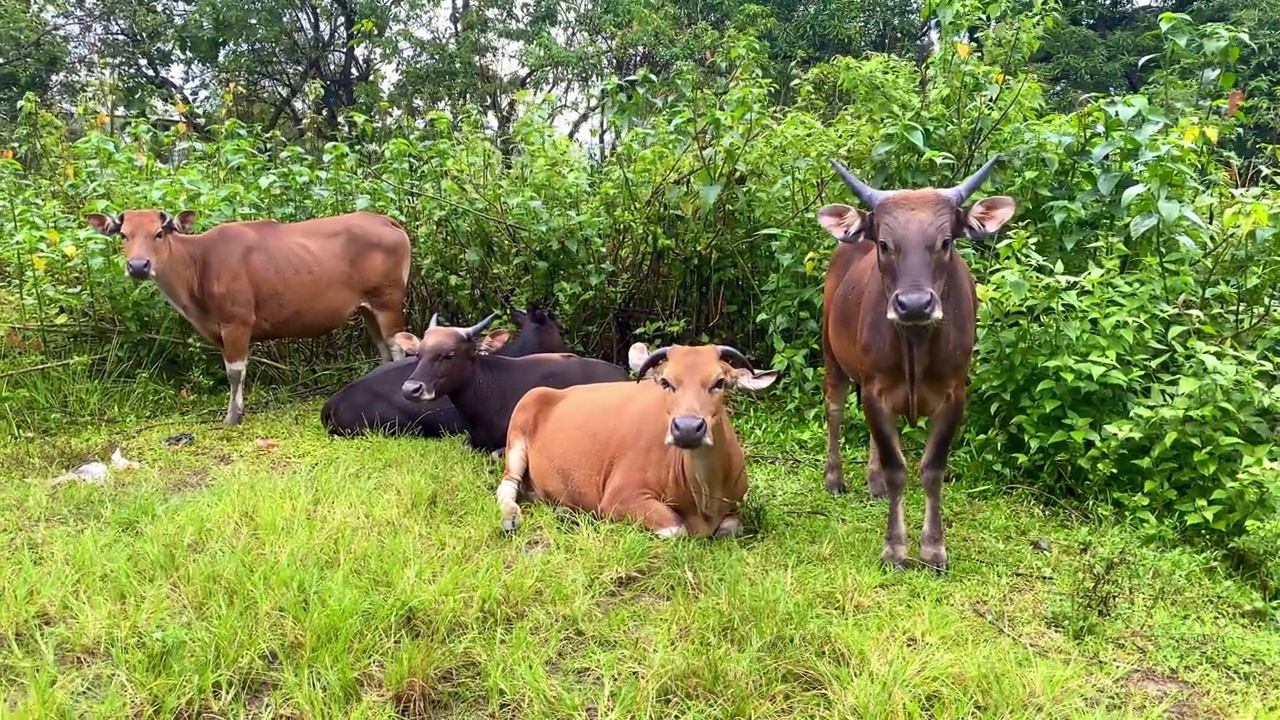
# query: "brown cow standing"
242, 282
662, 453
899, 319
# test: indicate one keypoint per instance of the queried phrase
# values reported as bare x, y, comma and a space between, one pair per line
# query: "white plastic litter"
96, 472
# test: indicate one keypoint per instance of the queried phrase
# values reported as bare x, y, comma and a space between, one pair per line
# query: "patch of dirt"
190, 482
1160, 688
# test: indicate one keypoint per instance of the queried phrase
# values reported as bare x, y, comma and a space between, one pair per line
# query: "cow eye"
450, 354
718, 385
665, 384
946, 244
159, 234
884, 246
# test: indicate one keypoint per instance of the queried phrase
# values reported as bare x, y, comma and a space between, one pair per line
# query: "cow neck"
704, 469
466, 398
178, 275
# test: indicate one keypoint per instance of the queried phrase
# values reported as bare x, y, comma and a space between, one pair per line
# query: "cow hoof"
895, 556
835, 485
510, 524
729, 527
934, 557
674, 531
232, 420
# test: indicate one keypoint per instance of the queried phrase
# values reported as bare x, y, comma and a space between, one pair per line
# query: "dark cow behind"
485, 388
898, 321
376, 403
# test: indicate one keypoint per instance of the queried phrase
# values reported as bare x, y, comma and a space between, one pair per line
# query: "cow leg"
516, 462
235, 356
378, 323
943, 428
875, 473
885, 437
729, 526
630, 504
836, 393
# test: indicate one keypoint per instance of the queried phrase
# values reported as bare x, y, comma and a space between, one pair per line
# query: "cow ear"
493, 341
637, 355
843, 222
184, 221
104, 224
406, 341
744, 378
988, 215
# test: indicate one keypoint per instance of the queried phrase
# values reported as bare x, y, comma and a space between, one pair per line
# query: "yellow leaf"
984, 292
182, 128
102, 119
38, 263
1191, 133
1212, 134
71, 173
998, 79
181, 107
963, 49
6, 154
71, 251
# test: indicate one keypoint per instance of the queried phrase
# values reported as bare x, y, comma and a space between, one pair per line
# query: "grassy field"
326, 578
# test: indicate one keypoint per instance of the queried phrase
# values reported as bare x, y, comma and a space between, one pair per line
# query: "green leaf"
709, 194
1169, 210
1141, 224
1130, 193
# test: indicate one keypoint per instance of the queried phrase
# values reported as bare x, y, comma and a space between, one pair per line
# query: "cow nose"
413, 389
913, 305
688, 431
139, 269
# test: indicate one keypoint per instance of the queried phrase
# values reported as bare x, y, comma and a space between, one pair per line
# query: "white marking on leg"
674, 531
509, 489
397, 352
235, 373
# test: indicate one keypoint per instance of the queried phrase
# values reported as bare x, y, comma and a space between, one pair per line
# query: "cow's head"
540, 331
914, 232
696, 378
446, 357
145, 233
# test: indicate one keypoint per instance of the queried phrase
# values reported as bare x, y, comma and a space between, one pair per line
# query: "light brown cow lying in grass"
242, 282
661, 452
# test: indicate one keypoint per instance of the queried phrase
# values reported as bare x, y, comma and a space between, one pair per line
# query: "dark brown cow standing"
899, 320
242, 282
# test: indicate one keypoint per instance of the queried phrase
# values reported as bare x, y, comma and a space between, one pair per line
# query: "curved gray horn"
732, 355
961, 192
657, 357
470, 332
865, 192
435, 318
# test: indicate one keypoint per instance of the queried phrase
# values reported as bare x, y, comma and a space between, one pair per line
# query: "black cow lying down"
376, 403
483, 388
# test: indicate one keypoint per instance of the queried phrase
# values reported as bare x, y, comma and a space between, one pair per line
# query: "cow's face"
145, 234
696, 379
914, 232
446, 357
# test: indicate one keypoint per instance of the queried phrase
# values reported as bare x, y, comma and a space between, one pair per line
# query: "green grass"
366, 578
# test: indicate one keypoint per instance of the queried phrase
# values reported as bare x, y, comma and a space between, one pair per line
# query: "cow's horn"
471, 332
435, 317
652, 361
867, 194
733, 356
961, 192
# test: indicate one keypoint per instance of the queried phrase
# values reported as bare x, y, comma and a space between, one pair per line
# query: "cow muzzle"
416, 391
688, 432
138, 268
915, 307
